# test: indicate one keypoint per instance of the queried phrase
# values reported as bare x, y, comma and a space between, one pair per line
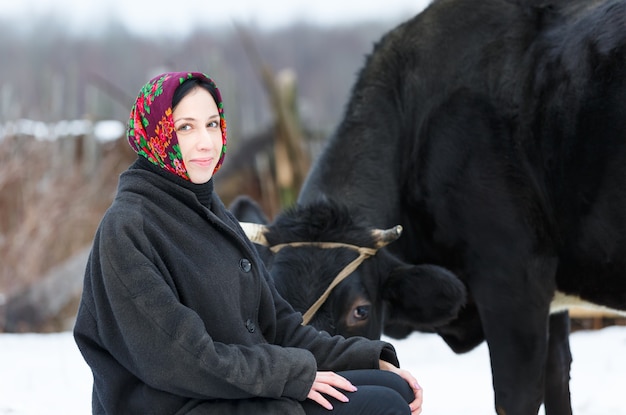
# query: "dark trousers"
379, 393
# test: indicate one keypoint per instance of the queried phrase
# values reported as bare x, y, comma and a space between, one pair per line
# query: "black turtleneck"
202, 191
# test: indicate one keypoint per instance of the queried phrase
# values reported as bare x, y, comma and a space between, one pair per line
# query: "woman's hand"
416, 405
329, 383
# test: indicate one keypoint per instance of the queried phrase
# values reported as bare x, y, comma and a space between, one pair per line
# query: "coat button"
250, 326
245, 265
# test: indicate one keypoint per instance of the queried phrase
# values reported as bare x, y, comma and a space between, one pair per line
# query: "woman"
179, 315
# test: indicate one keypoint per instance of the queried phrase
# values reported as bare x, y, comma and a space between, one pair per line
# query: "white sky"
173, 17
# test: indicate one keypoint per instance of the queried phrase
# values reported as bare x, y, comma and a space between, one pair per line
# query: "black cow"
379, 291
494, 132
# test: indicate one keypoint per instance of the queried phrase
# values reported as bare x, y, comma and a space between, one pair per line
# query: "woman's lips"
202, 162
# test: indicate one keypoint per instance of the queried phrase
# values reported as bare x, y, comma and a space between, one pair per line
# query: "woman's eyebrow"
193, 118
184, 119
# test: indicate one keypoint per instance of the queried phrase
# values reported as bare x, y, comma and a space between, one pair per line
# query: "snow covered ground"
45, 374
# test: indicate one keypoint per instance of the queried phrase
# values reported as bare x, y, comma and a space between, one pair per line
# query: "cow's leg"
557, 399
514, 308
518, 347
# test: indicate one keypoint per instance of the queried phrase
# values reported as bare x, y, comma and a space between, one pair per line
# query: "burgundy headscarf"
151, 125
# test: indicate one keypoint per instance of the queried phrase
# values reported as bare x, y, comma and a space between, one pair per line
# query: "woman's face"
197, 124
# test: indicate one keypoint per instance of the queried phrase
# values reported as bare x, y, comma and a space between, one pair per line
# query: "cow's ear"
421, 297
245, 209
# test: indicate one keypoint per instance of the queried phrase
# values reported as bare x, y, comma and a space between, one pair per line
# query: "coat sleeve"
136, 318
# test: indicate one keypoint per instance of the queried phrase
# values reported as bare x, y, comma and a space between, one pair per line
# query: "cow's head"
314, 244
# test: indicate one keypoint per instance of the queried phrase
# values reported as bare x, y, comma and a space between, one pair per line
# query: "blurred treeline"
50, 74
53, 193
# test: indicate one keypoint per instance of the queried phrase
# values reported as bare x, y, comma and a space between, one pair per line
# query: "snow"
45, 373
103, 131
109, 130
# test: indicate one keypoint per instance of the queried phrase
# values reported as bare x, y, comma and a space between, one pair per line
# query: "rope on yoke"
364, 253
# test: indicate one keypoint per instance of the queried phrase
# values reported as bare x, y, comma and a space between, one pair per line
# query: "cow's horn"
255, 232
386, 236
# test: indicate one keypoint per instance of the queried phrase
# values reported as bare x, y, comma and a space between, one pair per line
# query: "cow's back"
476, 48
576, 143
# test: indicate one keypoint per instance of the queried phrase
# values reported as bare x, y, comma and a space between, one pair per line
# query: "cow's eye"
362, 312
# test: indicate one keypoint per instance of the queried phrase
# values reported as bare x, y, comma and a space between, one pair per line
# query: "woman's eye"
213, 124
184, 127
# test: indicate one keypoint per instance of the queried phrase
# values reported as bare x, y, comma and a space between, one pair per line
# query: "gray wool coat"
179, 316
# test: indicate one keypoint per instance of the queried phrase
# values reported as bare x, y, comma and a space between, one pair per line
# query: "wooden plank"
582, 312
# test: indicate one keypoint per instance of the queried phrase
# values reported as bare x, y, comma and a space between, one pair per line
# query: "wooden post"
91, 155
292, 163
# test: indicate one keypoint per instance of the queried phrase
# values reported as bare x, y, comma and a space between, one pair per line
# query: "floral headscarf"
151, 125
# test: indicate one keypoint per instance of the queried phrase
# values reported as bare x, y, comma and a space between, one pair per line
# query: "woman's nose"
206, 140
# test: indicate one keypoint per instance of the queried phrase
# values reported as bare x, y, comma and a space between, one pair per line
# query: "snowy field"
45, 374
